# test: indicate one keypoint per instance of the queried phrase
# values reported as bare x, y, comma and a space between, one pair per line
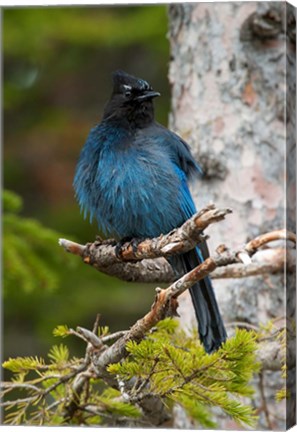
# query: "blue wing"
186, 201
179, 152
210, 324
187, 204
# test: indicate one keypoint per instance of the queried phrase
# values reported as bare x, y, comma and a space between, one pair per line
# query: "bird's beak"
147, 95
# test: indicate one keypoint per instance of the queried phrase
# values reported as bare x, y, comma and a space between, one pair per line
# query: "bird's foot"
134, 243
120, 246
125, 243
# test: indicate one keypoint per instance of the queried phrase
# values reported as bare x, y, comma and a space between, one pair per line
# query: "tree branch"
178, 240
147, 263
224, 263
165, 303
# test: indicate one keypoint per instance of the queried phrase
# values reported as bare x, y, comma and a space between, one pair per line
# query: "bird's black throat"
137, 114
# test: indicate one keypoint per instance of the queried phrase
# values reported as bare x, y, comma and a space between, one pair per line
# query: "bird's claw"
122, 245
119, 247
135, 242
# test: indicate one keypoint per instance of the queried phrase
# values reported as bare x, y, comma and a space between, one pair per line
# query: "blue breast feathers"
131, 190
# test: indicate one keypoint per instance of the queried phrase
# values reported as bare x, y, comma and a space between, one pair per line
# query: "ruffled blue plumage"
133, 177
135, 185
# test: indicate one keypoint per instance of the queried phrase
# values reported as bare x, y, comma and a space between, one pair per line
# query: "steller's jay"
132, 176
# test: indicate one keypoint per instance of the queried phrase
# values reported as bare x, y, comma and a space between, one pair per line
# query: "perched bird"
132, 177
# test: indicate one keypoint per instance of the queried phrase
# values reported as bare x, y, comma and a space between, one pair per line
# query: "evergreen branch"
14, 402
40, 393
13, 385
210, 381
145, 382
64, 378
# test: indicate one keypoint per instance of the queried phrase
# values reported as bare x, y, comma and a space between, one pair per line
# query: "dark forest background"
57, 78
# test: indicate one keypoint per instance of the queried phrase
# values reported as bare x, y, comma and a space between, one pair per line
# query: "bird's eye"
127, 93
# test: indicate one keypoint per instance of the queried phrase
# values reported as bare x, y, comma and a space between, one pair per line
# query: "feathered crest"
123, 81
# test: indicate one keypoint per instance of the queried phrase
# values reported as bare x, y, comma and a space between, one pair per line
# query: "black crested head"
123, 81
131, 100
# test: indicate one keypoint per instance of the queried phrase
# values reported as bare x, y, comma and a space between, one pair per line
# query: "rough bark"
146, 262
291, 195
228, 77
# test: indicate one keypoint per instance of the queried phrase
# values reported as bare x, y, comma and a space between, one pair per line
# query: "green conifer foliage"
31, 256
168, 364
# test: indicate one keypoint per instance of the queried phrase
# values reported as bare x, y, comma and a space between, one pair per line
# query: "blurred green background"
57, 78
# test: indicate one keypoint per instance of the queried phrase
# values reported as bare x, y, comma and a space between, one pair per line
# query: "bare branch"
267, 261
102, 253
263, 239
72, 247
147, 262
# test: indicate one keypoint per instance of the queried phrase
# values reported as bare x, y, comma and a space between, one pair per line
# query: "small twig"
12, 385
244, 257
273, 335
72, 247
42, 393
12, 403
82, 378
242, 324
113, 336
95, 410
65, 378
96, 324
264, 403
77, 388
56, 403
267, 262
90, 337
146, 381
263, 239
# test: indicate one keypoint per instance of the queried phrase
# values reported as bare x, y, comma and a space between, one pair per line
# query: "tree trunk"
228, 76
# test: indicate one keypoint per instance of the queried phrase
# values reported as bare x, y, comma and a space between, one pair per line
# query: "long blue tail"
210, 324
